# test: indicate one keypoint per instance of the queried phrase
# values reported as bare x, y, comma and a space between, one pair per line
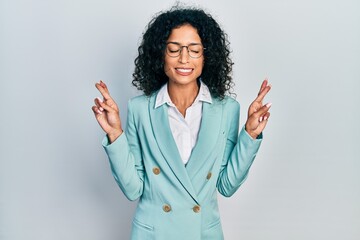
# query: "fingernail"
100, 100
101, 109
265, 118
261, 118
268, 105
99, 112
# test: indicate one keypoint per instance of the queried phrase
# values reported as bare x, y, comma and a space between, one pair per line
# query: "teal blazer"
177, 201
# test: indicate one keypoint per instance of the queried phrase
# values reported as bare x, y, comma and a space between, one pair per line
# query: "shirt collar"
163, 95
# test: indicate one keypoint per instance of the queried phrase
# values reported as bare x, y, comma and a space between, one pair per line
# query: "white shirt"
184, 130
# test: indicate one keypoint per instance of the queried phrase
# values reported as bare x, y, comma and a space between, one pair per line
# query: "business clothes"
177, 201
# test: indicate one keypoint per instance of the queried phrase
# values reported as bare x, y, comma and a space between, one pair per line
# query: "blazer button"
208, 176
166, 208
156, 170
196, 208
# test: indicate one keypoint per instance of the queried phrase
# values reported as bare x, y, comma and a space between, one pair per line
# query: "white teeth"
184, 70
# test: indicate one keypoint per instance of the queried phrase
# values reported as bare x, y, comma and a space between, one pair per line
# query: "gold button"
196, 208
156, 170
208, 176
166, 208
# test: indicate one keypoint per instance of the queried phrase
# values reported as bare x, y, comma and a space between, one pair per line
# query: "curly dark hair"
149, 75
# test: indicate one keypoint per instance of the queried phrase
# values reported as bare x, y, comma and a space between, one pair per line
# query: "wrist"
114, 135
251, 133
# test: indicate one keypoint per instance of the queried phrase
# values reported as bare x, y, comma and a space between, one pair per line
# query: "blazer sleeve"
240, 152
126, 159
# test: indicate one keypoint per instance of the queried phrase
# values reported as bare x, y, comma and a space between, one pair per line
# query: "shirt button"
156, 170
208, 176
166, 208
196, 208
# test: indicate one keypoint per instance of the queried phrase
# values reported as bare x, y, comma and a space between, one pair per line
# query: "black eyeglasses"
195, 50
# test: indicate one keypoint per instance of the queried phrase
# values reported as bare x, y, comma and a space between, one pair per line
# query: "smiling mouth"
184, 71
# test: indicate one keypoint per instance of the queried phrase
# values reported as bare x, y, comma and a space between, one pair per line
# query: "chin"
184, 81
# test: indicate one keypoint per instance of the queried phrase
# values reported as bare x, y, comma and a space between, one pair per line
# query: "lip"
184, 71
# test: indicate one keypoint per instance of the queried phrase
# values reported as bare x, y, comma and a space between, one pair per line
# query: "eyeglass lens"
194, 50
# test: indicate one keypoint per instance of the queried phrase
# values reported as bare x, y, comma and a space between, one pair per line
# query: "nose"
184, 55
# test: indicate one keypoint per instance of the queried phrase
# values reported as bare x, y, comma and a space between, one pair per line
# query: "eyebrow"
177, 43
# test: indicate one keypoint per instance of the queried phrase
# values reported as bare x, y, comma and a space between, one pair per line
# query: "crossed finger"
103, 90
264, 89
263, 85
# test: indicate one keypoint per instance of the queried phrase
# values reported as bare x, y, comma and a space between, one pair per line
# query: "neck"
183, 95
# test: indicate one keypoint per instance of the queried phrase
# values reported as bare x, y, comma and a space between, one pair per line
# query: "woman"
181, 143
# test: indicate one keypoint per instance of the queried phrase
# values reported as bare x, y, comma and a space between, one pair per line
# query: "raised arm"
123, 150
240, 151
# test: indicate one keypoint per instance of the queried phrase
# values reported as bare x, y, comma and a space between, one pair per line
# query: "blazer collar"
212, 115
208, 134
164, 138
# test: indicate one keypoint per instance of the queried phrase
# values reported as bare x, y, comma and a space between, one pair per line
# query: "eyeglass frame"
187, 48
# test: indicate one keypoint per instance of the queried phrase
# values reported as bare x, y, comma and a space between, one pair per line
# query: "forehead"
184, 34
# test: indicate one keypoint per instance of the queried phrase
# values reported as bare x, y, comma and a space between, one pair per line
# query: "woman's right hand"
107, 113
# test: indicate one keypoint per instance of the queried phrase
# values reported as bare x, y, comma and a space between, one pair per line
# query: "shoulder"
228, 103
137, 102
140, 105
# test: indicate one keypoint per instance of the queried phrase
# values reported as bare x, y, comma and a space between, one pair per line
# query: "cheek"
166, 64
167, 67
200, 65
201, 62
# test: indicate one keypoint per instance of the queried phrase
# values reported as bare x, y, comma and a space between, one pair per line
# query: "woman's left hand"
258, 114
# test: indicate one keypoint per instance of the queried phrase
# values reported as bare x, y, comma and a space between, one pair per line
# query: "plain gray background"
55, 181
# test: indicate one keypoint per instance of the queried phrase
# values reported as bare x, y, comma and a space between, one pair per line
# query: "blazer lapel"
208, 134
166, 143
